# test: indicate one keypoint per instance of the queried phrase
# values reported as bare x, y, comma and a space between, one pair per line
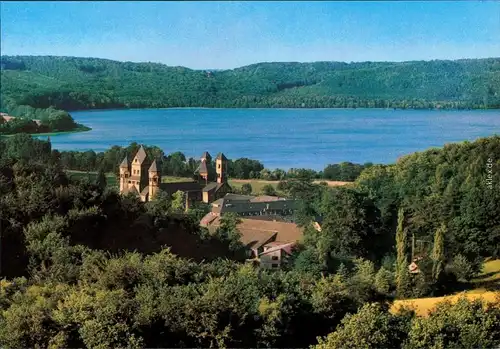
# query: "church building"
143, 178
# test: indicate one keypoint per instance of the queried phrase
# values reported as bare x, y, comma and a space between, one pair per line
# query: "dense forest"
70, 83
85, 267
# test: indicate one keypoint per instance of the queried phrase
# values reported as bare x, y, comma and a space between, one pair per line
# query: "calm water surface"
282, 138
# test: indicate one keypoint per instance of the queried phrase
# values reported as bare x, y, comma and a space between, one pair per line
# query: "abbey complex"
266, 225
142, 177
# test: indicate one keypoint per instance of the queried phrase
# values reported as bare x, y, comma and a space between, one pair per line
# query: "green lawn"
110, 177
173, 179
256, 184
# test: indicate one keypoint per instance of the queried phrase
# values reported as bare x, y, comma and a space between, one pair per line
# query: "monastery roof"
266, 198
145, 191
153, 167
124, 163
210, 186
271, 217
252, 238
240, 206
213, 186
206, 156
203, 167
141, 155
238, 197
251, 228
218, 202
173, 187
256, 239
221, 156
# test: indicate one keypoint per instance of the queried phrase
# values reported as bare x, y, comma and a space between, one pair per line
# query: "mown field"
485, 286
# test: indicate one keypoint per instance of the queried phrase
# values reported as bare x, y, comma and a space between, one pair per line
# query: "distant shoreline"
264, 108
48, 134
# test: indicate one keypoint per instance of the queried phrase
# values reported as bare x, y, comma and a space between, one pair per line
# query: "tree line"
86, 267
178, 165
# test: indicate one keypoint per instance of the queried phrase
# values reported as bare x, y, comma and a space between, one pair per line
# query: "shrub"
462, 268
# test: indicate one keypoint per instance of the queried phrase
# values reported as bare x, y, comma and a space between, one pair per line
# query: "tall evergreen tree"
401, 261
438, 251
100, 180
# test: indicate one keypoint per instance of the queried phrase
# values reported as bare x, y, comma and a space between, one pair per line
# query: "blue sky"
222, 35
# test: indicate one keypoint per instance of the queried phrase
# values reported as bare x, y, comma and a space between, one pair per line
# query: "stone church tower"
206, 159
140, 166
124, 174
221, 168
134, 177
154, 180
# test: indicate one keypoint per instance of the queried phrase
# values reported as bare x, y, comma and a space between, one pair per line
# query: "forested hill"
71, 83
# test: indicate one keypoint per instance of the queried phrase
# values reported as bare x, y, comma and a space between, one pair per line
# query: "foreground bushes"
464, 324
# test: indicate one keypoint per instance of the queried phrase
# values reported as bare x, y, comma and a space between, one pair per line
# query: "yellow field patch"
489, 274
422, 306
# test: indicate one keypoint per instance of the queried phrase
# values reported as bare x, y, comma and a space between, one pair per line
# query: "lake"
283, 138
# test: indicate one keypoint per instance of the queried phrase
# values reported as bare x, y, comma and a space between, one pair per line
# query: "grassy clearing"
258, 184
490, 276
110, 177
491, 272
173, 179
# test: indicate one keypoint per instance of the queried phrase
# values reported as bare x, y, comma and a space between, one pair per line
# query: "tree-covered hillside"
71, 83
84, 267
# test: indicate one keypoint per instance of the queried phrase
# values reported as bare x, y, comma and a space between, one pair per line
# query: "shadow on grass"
487, 275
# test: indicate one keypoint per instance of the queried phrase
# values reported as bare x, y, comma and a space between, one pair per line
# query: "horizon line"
261, 62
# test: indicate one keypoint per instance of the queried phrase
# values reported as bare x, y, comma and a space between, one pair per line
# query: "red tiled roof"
286, 232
